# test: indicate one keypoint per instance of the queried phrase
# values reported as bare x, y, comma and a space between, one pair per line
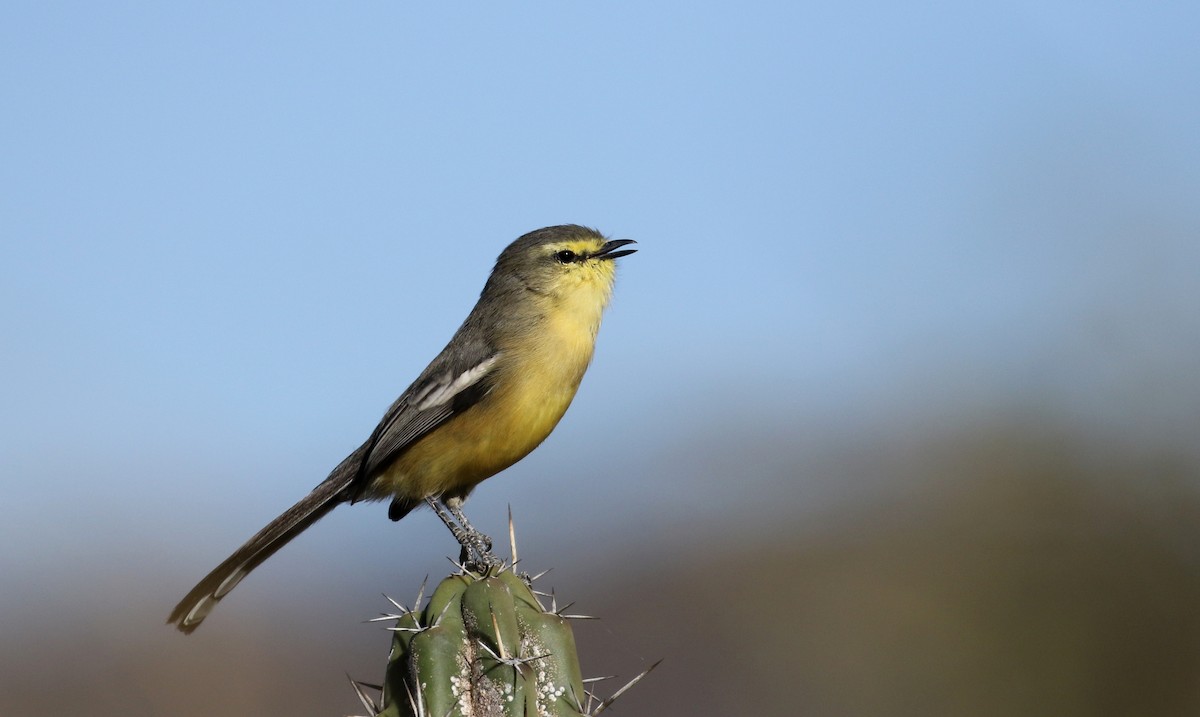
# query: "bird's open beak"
609, 250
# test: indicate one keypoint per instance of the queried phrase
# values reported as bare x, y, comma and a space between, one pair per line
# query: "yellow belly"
537, 377
532, 391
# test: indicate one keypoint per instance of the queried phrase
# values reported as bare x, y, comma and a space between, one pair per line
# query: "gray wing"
450, 385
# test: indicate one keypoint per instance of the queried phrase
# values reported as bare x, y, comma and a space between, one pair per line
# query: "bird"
492, 395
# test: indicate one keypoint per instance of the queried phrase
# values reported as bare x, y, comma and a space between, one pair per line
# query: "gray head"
561, 261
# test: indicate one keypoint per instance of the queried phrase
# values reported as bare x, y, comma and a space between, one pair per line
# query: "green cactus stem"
483, 646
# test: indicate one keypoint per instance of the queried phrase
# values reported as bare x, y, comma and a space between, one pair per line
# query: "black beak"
609, 250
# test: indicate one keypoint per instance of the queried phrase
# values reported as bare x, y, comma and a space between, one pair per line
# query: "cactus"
483, 646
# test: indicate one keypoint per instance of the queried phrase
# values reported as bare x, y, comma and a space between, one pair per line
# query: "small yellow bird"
488, 399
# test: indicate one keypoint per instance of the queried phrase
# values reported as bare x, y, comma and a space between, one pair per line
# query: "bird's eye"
566, 256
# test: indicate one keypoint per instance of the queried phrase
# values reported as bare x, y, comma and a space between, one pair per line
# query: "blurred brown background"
1002, 565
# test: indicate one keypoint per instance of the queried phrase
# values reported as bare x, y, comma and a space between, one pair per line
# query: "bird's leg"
459, 534
455, 507
478, 542
476, 547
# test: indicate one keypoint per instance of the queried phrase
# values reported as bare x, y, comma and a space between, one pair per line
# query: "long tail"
333, 491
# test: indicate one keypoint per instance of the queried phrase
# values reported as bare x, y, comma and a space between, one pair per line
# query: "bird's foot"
476, 553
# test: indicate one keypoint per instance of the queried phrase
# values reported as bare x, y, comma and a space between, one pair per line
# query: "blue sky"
233, 233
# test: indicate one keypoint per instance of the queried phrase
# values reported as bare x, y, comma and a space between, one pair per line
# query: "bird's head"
564, 263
